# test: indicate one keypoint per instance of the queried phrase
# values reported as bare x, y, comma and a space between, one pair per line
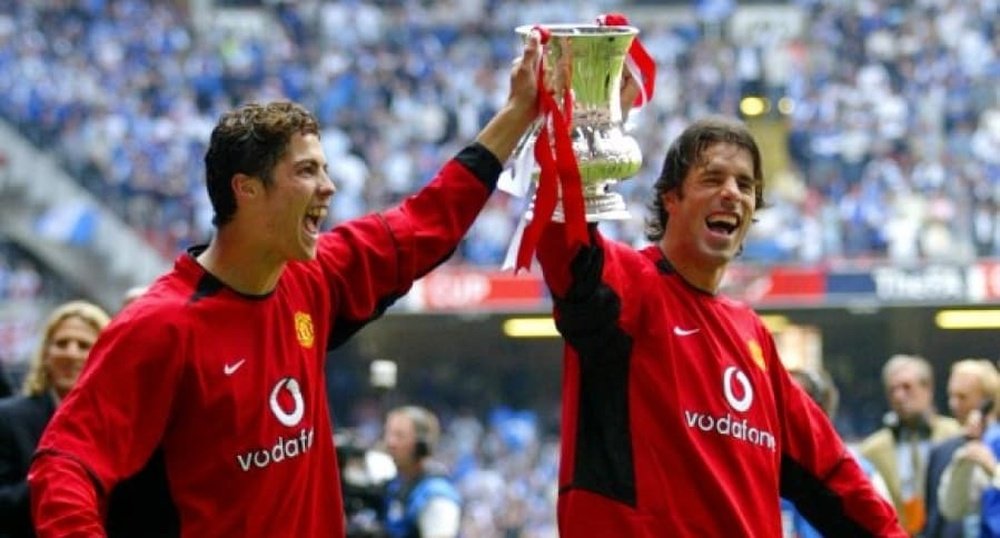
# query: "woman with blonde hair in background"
69, 333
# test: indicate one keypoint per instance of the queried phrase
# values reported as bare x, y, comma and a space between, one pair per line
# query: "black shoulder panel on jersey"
344, 329
588, 320
141, 505
818, 503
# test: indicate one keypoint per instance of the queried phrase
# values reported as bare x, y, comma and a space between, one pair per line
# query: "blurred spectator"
971, 384
422, 501
900, 449
970, 484
69, 333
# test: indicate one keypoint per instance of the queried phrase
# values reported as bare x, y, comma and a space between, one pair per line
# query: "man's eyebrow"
308, 161
716, 168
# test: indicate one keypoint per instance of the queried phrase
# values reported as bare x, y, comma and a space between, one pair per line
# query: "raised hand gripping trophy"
578, 143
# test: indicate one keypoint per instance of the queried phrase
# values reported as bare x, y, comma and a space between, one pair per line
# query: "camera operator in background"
364, 474
421, 502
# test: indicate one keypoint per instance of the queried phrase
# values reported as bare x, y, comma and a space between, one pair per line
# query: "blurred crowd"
504, 463
25, 288
20, 278
891, 117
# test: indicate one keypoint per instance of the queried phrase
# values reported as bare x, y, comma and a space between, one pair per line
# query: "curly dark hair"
250, 140
687, 151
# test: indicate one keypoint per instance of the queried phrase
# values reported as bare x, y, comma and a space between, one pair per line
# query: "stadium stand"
891, 121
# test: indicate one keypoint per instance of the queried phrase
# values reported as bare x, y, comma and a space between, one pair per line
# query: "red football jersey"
678, 416
230, 388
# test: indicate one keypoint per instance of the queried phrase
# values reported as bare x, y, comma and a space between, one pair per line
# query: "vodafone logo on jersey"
288, 406
734, 375
293, 417
738, 393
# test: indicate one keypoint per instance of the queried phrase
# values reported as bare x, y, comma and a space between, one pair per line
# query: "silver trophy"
604, 153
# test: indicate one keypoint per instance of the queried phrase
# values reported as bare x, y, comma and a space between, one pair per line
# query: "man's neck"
411, 472
697, 276
241, 264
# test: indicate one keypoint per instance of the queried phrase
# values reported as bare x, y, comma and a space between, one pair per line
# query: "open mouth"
314, 219
723, 223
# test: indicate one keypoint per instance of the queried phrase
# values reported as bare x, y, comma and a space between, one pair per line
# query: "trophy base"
607, 206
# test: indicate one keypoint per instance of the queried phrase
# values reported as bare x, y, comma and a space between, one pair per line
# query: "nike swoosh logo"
230, 369
684, 332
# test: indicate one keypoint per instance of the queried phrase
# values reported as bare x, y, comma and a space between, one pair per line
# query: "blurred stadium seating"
887, 111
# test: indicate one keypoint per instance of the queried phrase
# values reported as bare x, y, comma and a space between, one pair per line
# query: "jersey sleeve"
818, 472
597, 289
107, 427
564, 265
372, 261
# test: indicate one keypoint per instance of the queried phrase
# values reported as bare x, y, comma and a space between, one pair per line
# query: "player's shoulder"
737, 306
164, 301
633, 261
161, 298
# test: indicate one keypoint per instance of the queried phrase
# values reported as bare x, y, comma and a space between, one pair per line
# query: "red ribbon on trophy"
556, 161
639, 63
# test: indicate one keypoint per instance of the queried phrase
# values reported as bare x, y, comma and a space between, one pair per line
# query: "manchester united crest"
304, 329
757, 354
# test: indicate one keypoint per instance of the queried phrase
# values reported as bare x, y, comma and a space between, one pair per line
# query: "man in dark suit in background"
972, 383
22, 420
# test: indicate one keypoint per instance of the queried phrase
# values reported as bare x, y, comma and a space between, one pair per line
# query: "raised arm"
501, 134
373, 261
964, 480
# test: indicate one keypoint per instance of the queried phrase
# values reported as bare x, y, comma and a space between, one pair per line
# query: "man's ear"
245, 186
670, 199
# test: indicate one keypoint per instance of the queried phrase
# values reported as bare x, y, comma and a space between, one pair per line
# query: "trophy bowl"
594, 57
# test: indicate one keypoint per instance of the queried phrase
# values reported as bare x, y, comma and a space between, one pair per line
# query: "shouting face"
297, 200
711, 211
